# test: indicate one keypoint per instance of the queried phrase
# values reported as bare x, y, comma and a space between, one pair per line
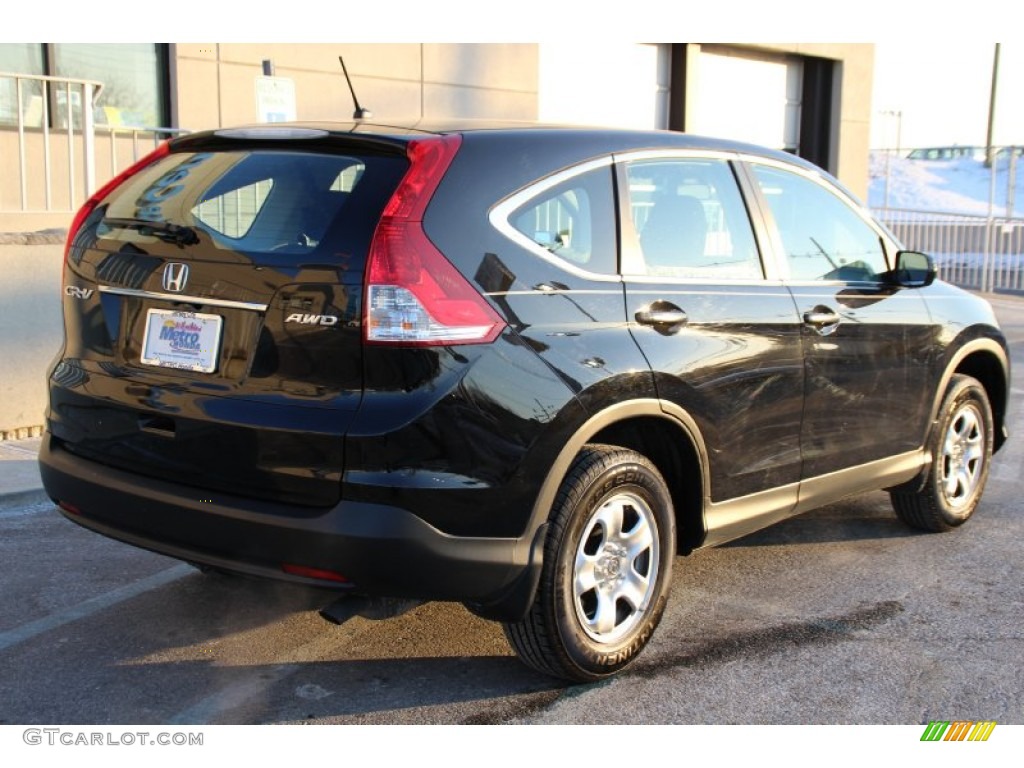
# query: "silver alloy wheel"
616, 567
963, 456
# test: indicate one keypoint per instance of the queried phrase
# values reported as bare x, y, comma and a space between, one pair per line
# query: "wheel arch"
664, 433
986, 360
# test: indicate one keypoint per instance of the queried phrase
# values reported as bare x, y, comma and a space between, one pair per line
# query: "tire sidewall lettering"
582, 650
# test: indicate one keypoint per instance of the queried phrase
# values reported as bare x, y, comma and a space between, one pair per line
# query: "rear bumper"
379, 549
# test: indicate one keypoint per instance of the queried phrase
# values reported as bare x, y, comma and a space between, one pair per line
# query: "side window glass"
574, 221
691, 221
823, 237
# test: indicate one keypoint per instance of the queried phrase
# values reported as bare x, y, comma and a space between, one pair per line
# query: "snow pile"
950, 186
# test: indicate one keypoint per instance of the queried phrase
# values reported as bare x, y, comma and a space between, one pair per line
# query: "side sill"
732, 519
883, 473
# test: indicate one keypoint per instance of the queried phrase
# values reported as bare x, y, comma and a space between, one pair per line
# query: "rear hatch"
212, 309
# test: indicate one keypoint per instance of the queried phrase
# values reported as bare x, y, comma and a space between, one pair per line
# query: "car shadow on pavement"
219, 649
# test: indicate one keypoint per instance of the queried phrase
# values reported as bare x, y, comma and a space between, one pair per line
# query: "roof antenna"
361, 113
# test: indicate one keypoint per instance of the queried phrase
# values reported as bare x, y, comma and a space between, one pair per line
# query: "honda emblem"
175, 277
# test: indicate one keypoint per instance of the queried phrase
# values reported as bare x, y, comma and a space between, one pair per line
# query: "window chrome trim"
499, 217
559, 292
630, 156
183, 299
686, 289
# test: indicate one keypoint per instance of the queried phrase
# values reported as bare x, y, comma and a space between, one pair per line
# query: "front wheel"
961, 454
607, 567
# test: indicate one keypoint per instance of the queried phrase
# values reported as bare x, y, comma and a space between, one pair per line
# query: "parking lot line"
93, 605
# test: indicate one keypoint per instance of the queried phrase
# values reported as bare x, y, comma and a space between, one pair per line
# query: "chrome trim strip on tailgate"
183, 299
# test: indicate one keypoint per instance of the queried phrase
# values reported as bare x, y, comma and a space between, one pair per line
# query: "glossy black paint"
736, 367
863, 380
416, 472
270, 421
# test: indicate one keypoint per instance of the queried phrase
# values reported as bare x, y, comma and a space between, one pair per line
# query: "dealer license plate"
186, 340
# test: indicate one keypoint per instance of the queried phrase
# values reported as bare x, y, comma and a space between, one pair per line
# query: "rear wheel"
607, 566
961, 453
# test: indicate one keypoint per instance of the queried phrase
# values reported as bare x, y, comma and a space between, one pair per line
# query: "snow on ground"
951, 186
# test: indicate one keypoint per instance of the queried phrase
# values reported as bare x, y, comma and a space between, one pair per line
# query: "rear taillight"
414, 296
90, 205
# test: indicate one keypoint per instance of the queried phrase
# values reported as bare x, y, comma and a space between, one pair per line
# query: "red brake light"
70, 508
414, 295
161, 151
313, 573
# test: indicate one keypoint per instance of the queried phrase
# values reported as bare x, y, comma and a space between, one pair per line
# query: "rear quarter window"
571, 222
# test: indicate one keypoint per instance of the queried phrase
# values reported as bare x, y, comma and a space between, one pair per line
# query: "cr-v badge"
175, 277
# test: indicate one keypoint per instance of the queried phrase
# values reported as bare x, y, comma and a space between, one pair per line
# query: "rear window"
260, 201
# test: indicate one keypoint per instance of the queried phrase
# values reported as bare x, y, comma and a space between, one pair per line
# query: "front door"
865, 341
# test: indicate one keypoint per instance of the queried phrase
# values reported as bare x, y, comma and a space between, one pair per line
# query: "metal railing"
143, 141
34, 112
981, 252
62, 108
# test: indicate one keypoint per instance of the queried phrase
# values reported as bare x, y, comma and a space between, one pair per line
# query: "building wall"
628, 85
214, 85
596, 82
854, 74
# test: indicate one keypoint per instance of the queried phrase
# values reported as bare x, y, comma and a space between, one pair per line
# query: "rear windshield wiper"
164, 230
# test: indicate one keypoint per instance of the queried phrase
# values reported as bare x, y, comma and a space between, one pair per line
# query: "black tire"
607, 568
961, 448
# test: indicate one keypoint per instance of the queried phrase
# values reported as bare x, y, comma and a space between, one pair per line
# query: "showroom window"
134, 77
22, 59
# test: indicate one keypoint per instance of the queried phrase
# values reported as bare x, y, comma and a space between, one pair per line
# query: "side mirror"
914, 269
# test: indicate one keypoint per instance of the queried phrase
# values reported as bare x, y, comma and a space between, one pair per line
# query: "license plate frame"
187, 341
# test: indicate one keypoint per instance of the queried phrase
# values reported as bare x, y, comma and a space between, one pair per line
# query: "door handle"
661, 313
823, 319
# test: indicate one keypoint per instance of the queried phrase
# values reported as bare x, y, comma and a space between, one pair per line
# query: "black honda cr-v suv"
518, 367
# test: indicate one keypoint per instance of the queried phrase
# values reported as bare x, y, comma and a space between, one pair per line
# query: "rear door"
720, 333
216, 337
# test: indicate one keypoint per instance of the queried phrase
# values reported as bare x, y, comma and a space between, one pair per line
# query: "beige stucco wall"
31, 332
214, 84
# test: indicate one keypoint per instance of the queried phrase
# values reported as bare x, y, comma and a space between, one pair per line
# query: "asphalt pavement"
19, 472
